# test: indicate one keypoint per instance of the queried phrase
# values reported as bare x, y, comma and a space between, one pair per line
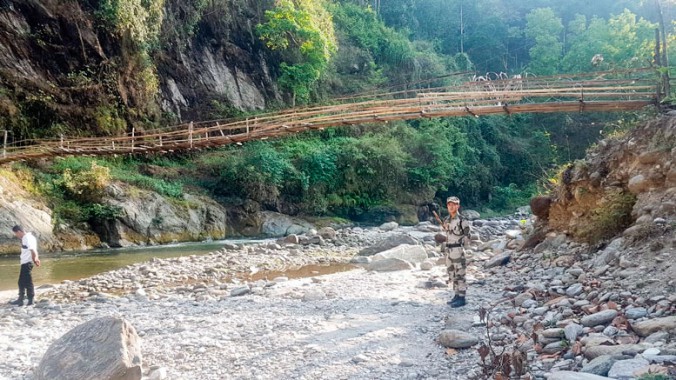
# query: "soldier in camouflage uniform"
457, 238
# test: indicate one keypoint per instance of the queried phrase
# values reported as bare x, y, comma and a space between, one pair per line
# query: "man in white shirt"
29, 255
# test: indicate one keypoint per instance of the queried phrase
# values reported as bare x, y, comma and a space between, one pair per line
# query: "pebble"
240, 291
572, 331
599, 366
158, 374
600, 318
274, 316
574, 290
624, 369
635, 312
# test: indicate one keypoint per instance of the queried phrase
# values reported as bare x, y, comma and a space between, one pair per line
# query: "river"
76, 265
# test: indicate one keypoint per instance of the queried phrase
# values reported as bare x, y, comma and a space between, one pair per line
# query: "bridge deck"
593, 92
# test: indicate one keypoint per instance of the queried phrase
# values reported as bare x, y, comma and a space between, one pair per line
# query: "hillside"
106, 67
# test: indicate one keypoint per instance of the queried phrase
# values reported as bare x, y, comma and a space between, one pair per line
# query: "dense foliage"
303, 29
536, 36
324, 49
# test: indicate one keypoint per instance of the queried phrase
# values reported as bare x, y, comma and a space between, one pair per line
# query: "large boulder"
540, 207
470, 214
327, 233
411, 253
389, 265
408, 215
389, 226
638, 184
457, 339
147, 217
276, 224
105, 348
388, 243
500, 259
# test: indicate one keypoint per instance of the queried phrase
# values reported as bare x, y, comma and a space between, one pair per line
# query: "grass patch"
654, 376
158, 185
609, 218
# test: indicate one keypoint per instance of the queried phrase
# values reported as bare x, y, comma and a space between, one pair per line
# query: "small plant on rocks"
510, 361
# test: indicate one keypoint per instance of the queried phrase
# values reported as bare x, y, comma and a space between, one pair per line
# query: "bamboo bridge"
588, 92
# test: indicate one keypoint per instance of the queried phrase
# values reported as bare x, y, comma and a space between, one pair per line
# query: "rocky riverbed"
235, 313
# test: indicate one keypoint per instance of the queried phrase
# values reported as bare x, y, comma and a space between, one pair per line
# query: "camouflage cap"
453, 200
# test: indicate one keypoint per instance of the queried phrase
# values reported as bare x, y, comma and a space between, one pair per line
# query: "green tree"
303, 29
545, 29
624, 41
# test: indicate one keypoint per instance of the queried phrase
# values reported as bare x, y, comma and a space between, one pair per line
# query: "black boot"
458, 302
18, 302
455, 297
30, 302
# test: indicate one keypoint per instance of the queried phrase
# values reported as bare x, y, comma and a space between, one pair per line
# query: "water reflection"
58, 267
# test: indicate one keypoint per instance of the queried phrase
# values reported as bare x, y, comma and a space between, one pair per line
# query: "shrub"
609, 218
508, 198
100, 212
85, 185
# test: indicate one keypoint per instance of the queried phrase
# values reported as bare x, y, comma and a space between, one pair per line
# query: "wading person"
457, 238
29, 256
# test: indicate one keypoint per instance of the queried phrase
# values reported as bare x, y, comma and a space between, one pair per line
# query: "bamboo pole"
190, 128
544, 95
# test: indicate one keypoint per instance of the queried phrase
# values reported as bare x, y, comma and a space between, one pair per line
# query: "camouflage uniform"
457, 237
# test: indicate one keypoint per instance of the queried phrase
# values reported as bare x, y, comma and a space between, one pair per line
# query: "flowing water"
74, 266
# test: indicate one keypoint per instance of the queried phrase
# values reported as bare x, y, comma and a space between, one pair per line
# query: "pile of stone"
589, 313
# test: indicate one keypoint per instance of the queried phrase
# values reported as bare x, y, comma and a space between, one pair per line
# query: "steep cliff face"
18, 207
626, 183
63, 69
148, 218
200, 73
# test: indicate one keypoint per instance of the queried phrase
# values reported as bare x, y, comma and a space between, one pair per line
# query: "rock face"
149, 218
411, 253
456, 339
624, 181
194, 71
105, 348
17, 208
388, 243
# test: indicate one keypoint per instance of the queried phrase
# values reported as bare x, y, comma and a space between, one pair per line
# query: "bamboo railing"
590, 92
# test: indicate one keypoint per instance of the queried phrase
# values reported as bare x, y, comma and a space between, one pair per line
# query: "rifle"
436, 216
